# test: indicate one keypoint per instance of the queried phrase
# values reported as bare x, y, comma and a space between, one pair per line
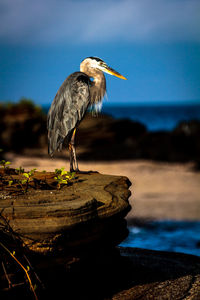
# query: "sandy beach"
159, 190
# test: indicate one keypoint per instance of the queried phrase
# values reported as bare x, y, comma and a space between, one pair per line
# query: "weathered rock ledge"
87, 211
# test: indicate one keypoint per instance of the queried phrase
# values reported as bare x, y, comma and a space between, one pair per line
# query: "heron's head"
98, 64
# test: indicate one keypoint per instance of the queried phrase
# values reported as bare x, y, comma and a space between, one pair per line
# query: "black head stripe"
95, 58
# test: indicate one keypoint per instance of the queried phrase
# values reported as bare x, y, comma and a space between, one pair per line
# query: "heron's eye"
103, 65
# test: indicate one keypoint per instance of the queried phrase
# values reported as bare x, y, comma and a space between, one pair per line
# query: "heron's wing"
67, 109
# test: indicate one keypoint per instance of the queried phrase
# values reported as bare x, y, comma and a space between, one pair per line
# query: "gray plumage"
67, 110
70, 104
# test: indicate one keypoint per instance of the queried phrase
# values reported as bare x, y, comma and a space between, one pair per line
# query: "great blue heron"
68, 108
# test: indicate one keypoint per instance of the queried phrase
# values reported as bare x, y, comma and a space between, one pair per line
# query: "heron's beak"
110, 71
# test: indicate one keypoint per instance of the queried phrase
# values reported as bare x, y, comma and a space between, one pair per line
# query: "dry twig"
23, 268
7, 277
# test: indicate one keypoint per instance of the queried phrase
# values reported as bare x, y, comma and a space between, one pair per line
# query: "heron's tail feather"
55, 142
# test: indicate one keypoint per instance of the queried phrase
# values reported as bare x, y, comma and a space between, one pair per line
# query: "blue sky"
154, 43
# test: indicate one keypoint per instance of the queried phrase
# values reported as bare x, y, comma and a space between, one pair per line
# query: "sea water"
165, 235
155, 117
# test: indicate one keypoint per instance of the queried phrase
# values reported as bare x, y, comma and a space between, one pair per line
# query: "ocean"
165, 235
154, 117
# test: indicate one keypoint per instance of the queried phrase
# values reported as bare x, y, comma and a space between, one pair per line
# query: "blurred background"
149, 128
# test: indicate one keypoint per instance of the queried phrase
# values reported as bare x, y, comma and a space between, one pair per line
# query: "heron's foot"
77, 171
72, 170
86, 172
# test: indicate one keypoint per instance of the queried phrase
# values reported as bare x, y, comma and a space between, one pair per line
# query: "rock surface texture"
161, 275
83, 212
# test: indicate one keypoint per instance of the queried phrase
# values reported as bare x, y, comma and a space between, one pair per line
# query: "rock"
23, 125
105, 138
186, 141
89, 210
58, 230
160, 275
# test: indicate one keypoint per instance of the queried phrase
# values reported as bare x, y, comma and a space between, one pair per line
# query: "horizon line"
121, 103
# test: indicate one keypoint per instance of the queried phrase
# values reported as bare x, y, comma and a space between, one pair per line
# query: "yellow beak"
113, 72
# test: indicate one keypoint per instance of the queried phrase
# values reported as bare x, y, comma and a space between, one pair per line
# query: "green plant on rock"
19, 170
10, 182
25, 182
63, 177
5, 164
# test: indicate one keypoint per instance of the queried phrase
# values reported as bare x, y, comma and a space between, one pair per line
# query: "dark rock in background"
23, 129
23, 125
186, 138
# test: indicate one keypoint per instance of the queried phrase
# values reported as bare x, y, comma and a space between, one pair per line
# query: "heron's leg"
72, 151
71, 160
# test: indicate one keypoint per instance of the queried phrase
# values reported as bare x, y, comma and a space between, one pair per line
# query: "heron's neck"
98, 88
98, 85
